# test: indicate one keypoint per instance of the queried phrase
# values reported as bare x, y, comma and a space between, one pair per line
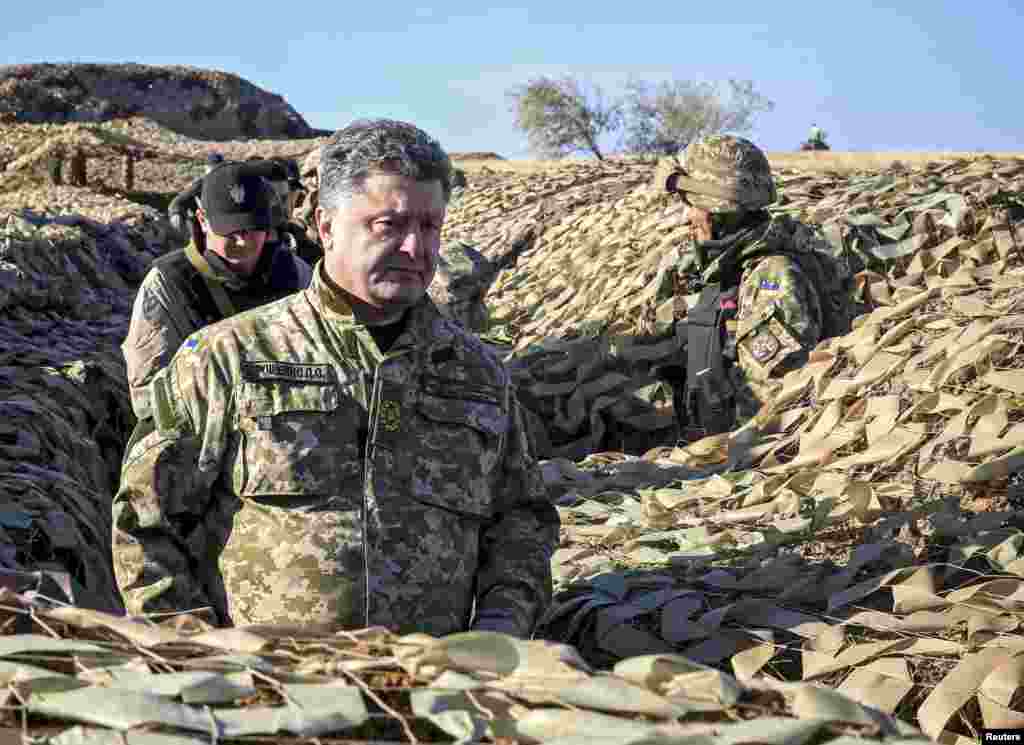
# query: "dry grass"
867, 161
838, 161
513, 166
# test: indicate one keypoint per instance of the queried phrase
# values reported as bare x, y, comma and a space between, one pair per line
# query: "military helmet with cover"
464, 275
722, 173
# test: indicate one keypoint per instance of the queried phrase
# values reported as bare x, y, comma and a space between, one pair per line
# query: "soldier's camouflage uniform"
778, 312
186, 290
300, 476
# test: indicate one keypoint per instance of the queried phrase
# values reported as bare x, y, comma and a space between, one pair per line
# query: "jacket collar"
423, 319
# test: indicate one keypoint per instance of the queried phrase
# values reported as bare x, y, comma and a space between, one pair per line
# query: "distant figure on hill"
815, 140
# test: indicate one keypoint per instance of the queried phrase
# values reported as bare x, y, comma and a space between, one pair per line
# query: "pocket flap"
256, 400
486, 417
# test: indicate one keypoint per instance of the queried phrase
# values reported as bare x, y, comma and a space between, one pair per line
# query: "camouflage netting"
66, 286
908, 605
93, 141
864, 530
166, 161
849, 563
128, 681
579, 303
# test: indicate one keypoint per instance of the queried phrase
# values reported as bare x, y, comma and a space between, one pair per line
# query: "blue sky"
909, 75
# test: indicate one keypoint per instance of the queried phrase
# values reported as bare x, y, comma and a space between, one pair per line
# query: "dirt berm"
207, 104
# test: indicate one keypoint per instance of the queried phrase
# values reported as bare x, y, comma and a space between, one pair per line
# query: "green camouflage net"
846, 568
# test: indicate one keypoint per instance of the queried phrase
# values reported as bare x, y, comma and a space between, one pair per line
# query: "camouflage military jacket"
172, 303
300, 476
778, 313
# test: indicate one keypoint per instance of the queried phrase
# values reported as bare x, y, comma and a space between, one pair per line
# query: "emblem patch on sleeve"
764, 346
390, 416
772, 285
293, 372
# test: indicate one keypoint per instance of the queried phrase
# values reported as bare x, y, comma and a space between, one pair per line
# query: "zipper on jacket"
376, 383
370, 384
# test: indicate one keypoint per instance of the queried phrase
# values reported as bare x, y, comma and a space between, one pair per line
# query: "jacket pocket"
296, 440
455, 453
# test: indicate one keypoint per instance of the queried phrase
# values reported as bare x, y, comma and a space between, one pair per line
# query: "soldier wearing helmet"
747, 285
305, 213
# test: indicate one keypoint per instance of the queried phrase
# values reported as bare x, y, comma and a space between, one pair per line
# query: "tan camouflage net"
912, 607
121, 681
863, 531
584, 292
167, 161
780, 582
572, 300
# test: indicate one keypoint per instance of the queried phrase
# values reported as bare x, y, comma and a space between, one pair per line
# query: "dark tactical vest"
213, 301
706, 402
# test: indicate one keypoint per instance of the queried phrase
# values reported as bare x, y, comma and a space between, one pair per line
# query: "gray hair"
367, 145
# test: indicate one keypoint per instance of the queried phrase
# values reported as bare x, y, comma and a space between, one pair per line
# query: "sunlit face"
382, 244
240, 251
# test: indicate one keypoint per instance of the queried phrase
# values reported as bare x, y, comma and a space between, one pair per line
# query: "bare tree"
563, 116
662, 118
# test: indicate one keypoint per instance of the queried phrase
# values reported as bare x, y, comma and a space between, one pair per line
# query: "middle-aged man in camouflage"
346, 456
769, 288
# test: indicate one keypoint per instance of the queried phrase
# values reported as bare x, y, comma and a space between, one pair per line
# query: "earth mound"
206, 104
475, 155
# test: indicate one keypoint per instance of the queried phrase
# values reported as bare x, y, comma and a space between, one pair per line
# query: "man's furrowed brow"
404, 213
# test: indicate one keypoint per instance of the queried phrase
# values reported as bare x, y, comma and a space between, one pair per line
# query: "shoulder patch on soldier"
255, 372
764, 346
770, 284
